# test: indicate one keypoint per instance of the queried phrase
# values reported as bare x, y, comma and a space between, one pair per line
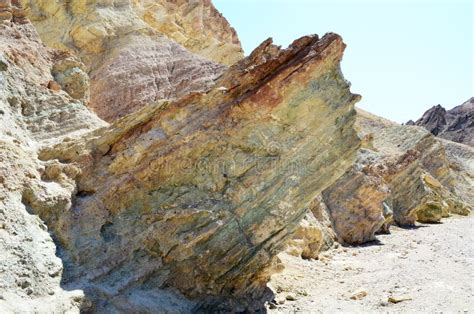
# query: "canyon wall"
36, 109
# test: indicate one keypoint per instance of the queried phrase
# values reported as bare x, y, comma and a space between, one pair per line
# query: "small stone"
396, 300
272, 306
290, 297
359, 295
55, 87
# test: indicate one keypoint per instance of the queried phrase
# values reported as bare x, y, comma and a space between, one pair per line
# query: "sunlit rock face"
355, 201
196, 25
200, 194
402, 174
456, 124
131, 50
417, 169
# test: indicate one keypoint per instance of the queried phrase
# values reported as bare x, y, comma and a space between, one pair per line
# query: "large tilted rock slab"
200, 194
129, 48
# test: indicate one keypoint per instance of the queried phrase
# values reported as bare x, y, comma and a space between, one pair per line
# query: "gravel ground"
429, 268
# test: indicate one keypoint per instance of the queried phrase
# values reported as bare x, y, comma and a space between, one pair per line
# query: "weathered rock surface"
128, 52
461, 165
402, 174
32, 115
183, 204
200, 194
355, 202
417, 170
196, 25
456, 124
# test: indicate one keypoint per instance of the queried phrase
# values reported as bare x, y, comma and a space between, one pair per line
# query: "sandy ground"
431, 266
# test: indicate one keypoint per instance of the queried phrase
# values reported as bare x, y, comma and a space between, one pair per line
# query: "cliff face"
196, 25
38, 107
127, 48
456, 124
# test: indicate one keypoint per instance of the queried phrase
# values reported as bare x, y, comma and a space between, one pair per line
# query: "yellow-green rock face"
204, 191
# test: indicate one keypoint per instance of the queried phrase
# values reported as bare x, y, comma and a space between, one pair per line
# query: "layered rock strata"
196, 25
34, 111
198, 194
402, 170
403, 174
129, 51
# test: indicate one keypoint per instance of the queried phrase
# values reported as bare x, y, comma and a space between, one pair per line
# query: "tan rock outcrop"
128, 52
32, 115
307, 239
402, 174
355, 202
417, 170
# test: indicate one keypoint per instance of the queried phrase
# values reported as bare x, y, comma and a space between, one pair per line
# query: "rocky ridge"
456, 125
402, 174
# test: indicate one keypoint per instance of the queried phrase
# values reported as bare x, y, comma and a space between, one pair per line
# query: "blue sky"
402, 56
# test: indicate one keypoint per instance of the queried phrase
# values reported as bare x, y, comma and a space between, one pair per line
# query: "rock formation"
196, 25
34, 111
129, 51
401, 172
456, 124
197, 194
205, 173
212, 185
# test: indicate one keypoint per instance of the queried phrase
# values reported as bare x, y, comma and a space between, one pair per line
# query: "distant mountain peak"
456, 124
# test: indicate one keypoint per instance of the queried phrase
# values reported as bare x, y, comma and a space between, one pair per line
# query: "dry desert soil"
426, 269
